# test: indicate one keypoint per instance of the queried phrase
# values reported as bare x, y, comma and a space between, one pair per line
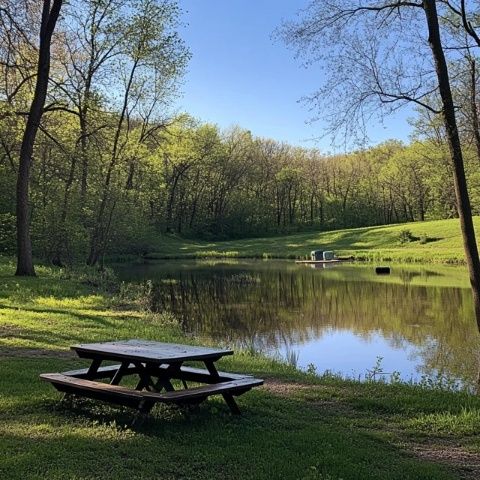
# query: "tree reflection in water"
425, 312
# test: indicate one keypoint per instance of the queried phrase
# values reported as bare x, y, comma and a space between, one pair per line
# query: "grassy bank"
296, 427
435, 241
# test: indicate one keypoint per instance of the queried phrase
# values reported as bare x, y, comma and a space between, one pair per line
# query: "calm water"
418, 319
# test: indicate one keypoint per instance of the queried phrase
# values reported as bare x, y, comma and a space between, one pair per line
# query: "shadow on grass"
70, 313
275, 438
37, 337
56, 327
336, 430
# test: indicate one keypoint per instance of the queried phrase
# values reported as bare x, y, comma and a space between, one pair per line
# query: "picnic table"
155, 365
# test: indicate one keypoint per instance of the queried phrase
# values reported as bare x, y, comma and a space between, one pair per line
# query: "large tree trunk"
24, 244
461, 191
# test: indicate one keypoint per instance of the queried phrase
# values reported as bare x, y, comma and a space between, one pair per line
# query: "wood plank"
319, 262
143, 401
202, 375
208, 390
190, 374
99, 391
82, 385
103, 372
148, 351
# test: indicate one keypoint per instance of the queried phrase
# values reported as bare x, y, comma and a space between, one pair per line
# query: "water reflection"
420, 320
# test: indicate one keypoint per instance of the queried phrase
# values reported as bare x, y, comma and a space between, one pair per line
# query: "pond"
340, 318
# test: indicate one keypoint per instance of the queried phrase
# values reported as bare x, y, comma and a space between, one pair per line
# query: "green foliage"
466, 422
376, 372
140, 294
406, 236
112, 176
101, 278
7, 234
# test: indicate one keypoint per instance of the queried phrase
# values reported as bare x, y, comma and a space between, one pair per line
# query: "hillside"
434, 241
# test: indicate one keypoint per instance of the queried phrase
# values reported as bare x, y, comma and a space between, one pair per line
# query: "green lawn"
444, 244
296, 427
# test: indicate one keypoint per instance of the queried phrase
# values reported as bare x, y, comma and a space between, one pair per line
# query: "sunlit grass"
465, 422
378, 243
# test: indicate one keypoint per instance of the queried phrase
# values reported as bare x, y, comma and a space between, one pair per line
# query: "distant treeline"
195, 180
112, 171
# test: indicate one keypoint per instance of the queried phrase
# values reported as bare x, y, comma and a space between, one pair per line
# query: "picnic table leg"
119, 373
145, 379
228, 397
146, 372
164, 383
93, 368
164, 376
68, 398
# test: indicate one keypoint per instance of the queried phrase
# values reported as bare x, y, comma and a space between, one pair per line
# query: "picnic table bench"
155, 364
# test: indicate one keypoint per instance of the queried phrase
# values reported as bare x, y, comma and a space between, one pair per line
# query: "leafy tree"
50, 13
368, 43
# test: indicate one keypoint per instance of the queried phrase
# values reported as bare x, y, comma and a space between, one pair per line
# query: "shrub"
406, 236
104, 279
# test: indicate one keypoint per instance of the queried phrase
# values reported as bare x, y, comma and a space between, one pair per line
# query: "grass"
433, 241
298, 426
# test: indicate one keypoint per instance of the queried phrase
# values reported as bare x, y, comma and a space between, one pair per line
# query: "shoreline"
437, 241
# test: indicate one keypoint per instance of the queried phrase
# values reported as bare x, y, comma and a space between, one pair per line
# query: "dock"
320, 262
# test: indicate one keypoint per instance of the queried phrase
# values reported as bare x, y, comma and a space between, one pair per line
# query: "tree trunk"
473, 106
84, 114
312, 208
170, 203
461, 191
62, 239
24, 245
98, 237
84, 154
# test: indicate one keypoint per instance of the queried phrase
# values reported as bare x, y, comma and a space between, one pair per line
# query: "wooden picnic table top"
148, 351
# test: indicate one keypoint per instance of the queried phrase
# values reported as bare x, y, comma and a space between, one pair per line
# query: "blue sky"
239, 75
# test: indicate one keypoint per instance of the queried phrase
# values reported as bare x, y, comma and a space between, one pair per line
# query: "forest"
115, 167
